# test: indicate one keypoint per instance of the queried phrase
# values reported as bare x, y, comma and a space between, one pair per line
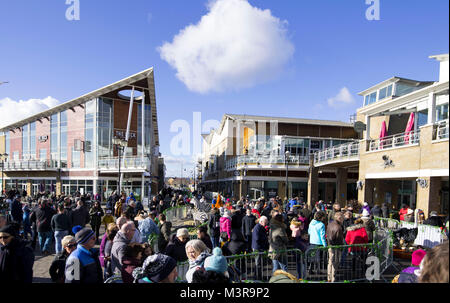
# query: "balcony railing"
343, 152
30, 165
441, 130
128, 163
398, 140
265, 160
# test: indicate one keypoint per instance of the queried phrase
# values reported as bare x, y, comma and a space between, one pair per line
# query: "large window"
7, 146
54, 136
33, 140
25, 147
89, 134
43, 154
105, 126
75, 158
442, 112
63, 143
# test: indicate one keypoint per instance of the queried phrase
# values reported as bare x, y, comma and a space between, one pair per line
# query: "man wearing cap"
16, 257
177, 245
83, 265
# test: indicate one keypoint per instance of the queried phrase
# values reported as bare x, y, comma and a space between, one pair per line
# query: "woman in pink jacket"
225, 226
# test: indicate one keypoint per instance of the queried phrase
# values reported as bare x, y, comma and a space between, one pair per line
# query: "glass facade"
54, 137
105, 126
7, 144
32, 140
89, 133
63, 137
147, 129
442, 112
25, 150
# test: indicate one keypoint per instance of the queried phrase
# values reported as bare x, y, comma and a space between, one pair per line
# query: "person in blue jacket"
317, 231
130, 198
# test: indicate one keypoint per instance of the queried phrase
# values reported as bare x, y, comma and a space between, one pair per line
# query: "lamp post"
286, 161
120, 145
3, 164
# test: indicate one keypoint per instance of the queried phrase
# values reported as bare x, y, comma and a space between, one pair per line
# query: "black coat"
260, 241
248, 223
236, 219
43, 219
176, 249
214, 225
80, 216
58, 267
16, 262
236, 246
16, 211
434, 221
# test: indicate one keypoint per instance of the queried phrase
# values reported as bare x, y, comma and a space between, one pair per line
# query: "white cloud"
13, 111
343, 98
233, 46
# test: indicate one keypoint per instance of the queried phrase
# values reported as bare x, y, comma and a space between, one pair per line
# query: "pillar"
341, 186
29, 187
431, 108
428, 198
313, 184
366, 193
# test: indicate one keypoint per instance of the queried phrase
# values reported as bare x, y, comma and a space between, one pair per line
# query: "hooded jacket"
316, 233
225, 225
83, 266
278, 239
356, 234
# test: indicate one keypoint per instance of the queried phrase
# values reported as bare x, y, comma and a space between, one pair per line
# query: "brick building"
70, 147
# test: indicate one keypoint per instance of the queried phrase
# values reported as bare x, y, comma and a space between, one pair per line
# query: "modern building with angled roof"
70, 147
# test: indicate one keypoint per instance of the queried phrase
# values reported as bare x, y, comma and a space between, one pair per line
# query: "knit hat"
365, 213
9, 229
216, 262
156, 268
365, 204
84, 235
76, 229
417, 257
433, 214
182, 232
409, 211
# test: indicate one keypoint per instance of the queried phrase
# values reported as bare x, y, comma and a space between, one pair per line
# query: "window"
63, 135
89, 134
7, 143
42, 154
105, 125
33, 140
75, 158
25, 134
442, 112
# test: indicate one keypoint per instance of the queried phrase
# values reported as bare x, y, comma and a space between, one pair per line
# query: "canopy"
409, 127
382, 133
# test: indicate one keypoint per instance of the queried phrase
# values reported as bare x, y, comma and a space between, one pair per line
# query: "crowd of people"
142, 246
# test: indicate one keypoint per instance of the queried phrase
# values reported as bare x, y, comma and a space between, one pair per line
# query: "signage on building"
121, 134
43, 138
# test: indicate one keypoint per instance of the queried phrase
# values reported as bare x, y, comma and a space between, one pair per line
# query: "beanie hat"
365, 213
156, 268
84, 235
216, 262
417, 257
365, 204
10, 229
76, 229
182, 232
409, 211
433, 214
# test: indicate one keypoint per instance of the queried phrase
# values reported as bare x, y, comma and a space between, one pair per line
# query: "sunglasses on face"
71, 245
4, 237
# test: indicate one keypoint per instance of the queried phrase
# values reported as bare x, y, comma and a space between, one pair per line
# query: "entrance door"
66, 189
35, 189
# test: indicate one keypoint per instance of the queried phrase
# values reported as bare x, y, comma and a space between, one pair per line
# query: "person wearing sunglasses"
16, 257
59, 263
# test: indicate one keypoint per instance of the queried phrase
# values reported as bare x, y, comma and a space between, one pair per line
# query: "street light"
3, 164
287, 153
120, 145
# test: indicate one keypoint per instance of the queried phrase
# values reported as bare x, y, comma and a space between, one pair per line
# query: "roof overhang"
393, 80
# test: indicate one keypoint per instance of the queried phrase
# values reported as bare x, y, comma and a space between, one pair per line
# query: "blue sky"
334, 47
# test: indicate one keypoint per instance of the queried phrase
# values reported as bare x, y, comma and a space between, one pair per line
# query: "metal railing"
313, 264
398, 140
441, 130
30, 165
128, 163
343, 152
264, 160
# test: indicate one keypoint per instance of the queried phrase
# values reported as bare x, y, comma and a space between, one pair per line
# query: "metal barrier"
427, 236
314, 264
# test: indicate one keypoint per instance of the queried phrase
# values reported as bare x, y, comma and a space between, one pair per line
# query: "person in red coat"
357, 234
403, 211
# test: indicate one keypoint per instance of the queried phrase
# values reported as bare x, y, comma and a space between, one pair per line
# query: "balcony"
440, 131
399, 140
129, 164
258, 161
30, 165
340, 153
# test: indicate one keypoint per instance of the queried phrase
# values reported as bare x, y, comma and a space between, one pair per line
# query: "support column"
313, 184
428, 198
431, 108
367, 127
341, 186
366, 193
143, 188
29, 187
127, 134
